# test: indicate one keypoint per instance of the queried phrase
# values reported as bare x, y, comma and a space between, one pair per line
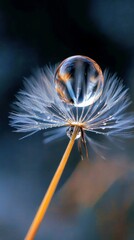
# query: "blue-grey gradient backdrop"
100, 203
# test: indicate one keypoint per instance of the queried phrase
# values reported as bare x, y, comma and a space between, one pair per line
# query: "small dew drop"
110, 117
70, 130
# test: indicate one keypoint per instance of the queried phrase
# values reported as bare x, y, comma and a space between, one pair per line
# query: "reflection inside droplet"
79, 81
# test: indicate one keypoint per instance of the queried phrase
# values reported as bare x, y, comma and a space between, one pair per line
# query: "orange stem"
52, 187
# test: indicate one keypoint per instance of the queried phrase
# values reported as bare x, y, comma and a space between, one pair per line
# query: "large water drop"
79, 81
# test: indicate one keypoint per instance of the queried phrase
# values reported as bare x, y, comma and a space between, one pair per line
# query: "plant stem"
52, 187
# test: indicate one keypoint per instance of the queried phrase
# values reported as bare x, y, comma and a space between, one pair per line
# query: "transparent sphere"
79, 81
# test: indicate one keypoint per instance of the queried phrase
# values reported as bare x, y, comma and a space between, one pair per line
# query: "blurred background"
95, 199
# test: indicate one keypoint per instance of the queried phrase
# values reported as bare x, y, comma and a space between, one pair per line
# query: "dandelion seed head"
46, 102
79, 81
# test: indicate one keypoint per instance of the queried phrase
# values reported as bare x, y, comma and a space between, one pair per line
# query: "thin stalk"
50, 192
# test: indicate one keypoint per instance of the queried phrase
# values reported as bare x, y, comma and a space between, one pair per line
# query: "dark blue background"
34, 33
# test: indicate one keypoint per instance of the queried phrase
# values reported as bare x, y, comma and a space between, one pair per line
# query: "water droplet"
79, 81
70, 130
